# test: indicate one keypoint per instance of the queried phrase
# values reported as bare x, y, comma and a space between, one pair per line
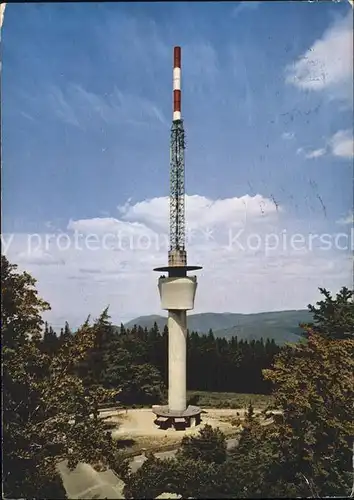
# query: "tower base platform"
178, 420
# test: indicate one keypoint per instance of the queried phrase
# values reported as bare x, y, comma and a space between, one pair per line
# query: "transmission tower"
177, 254
177, 290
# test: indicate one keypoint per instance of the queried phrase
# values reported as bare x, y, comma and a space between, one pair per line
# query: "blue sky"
86, 110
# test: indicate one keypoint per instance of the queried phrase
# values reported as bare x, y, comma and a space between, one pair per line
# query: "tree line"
136, 360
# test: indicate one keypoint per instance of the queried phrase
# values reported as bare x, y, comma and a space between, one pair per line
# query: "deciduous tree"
307, 451
48, 413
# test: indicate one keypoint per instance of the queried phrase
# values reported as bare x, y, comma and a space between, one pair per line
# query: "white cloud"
202, 211
328, 63
154, 210
349, 219
79, 107
243, 244
311, 154
244, 7
105, 225
39, 257
316, 153
342, 144
288, 135
62, 107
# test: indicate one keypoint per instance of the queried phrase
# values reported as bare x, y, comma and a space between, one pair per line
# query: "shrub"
209, 445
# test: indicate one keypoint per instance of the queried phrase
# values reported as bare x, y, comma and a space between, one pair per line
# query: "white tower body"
177, 357
177, 296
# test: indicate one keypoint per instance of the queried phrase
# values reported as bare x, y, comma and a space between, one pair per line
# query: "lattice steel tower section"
177, 255
177, 290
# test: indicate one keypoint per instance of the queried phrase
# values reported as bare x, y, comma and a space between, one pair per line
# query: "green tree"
307, 449
199, 470
48, 414
145, 384
50, 342
21, 307
66, 335
92, 368
188, 478
333, 317
123, 365
209, 445
315, 391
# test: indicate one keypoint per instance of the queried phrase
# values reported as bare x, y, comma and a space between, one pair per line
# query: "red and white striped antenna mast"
177, 84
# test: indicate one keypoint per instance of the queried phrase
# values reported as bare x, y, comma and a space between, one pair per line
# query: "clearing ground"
135, 428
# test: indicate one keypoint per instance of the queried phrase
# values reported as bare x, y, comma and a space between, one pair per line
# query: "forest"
136, 361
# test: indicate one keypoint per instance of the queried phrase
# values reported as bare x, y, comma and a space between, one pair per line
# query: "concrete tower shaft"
177, 296
177, 354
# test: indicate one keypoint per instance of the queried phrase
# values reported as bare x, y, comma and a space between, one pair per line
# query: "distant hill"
282, 326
